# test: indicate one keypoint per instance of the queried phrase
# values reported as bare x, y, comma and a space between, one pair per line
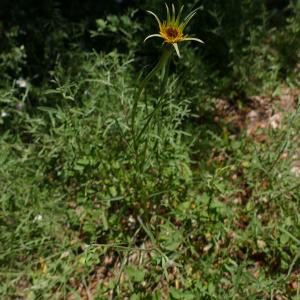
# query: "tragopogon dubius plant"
171, 31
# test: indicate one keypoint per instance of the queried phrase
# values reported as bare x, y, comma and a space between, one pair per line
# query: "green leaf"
176, 294
101, 24
135, 297
181, 295
184, 206
136, 275
83, 161
284, 238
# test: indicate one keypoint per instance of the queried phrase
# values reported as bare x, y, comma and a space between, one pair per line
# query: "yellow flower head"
172, 29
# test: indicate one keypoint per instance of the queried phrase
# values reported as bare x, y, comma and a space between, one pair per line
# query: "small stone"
261, 244
64, 254
275, 121
207, 248
252, 115
295, 170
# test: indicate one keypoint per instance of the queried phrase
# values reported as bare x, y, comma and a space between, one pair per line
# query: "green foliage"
12, 57
182, 205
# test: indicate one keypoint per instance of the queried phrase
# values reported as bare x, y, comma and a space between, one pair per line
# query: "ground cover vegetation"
191, 192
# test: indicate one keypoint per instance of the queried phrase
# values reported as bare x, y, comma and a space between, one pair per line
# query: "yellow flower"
172, 29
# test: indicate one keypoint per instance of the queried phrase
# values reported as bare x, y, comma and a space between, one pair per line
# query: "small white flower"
22, 83
38, 218
4, 114
131, 220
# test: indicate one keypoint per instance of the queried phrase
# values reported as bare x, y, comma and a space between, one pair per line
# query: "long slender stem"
160, 65
137, 133
165, 75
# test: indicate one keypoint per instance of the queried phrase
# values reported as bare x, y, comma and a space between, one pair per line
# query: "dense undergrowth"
193, 203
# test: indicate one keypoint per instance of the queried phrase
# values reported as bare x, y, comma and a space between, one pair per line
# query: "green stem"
165, 75
162, 63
